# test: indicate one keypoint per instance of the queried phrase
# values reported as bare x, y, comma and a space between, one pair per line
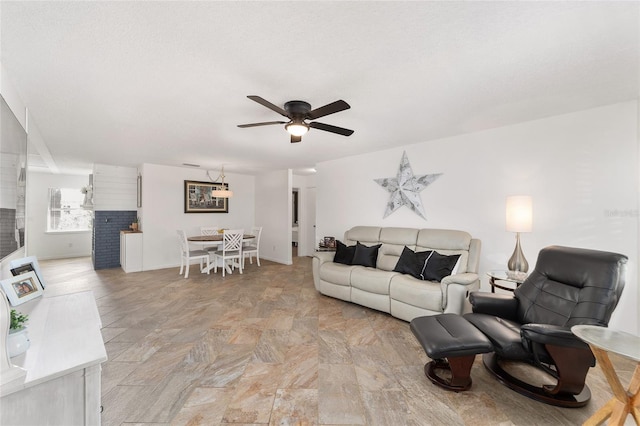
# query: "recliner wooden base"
539, 393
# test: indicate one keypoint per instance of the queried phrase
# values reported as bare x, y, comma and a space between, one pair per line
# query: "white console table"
63, 364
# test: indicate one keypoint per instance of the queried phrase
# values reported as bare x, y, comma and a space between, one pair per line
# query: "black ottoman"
452, 337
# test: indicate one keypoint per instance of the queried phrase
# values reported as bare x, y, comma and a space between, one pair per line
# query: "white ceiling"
126, 83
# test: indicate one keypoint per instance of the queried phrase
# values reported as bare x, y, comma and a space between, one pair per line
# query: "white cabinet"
63, 365
131, 251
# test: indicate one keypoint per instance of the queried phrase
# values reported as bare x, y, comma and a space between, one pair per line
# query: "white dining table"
211, 241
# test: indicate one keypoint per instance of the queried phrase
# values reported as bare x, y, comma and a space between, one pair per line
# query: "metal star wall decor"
405, 188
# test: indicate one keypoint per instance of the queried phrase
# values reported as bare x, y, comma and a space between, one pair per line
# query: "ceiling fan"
299, 111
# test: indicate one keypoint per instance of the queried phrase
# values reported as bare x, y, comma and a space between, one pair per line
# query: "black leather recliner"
569, 286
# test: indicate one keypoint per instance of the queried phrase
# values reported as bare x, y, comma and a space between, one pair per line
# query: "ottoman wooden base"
458, 367
452, 337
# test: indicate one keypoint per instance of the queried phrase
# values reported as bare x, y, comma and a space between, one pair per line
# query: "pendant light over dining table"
222, 192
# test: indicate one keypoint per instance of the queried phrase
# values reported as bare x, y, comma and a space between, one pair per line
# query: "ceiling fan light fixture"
297, 129
299, 111
221, 192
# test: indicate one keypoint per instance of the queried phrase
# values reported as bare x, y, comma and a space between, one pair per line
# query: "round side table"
602, 340
516, 278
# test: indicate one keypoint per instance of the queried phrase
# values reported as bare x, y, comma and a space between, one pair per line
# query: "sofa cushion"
344, 253
336, 273
394, 240
411, 262
388, 256
447, 242
437, 266
364, 234
366, 256
371, 280
414, 292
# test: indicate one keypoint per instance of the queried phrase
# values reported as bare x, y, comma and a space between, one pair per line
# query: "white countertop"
65, 336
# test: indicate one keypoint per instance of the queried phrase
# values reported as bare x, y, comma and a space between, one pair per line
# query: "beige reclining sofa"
401, 295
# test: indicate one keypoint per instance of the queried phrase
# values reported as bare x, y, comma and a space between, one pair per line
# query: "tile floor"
266, 348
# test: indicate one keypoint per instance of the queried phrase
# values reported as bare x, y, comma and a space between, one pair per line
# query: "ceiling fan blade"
331, 108
329, 128
295, 139
265, 123
268, 104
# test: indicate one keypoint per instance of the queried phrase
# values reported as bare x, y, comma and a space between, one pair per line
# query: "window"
66, 212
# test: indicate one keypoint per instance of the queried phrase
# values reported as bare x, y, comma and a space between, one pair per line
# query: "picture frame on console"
22, 288
27, 264
198, 199
330, 242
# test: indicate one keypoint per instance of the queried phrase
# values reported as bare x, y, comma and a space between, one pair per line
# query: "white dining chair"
252, 246
231, 250
187, 255
210, 230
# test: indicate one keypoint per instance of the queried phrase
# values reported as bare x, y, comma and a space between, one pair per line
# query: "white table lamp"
519, 219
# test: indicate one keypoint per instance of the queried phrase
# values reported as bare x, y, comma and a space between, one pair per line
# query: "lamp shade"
221, 193
297, 129
519, 213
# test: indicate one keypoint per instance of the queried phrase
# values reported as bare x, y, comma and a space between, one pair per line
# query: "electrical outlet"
274, 248
70, 245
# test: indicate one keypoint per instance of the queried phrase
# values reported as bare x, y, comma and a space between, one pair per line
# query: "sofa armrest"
324, 256
501, 305
319, 258
455, 289
462, 279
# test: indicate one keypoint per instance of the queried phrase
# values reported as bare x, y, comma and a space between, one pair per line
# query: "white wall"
57, 245
114, 187
581, 170
162, 211
273, 213
10, 95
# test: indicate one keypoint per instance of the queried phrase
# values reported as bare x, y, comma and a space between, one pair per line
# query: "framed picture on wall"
198, 199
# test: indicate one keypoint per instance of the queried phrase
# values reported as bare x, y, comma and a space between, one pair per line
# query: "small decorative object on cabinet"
22, 288
329, 242
27, 264
18, 339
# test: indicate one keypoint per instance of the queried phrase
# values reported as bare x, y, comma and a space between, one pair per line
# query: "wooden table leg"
624, 401
634, 390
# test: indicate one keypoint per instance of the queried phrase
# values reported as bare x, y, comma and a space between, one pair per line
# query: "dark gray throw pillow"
411, 262
344, 254
366, 256
437, 266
